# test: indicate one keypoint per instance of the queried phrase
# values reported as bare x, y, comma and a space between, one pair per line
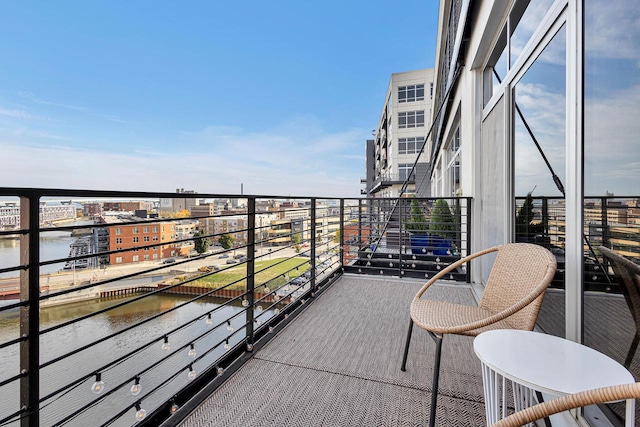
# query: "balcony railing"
609, 221
137, 319
136, 316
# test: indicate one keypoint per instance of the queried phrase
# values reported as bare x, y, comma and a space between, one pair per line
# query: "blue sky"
279, 96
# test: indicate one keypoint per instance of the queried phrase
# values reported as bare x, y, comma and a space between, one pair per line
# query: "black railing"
134, 324
408, 237
611, 221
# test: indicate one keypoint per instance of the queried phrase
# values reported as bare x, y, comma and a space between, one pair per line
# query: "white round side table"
534, 361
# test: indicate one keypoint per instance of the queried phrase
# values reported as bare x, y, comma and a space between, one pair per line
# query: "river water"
80, 362
53, 245
70, 338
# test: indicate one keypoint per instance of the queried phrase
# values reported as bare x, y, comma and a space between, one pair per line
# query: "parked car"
224, 256
205, 269
238, 256
298, 281
232, 261
169, 261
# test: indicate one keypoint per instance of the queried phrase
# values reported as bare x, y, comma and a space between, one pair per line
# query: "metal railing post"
469, 216
341, 242
604, 220
30, 313
313, 244
251, 244
359, 224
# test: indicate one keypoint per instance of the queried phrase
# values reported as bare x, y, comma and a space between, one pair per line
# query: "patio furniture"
512, 297
628, 392
543, 363
628, 274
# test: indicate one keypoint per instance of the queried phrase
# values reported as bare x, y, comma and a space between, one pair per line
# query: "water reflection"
73, 337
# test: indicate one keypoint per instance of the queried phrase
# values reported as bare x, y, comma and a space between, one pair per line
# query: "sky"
203, 95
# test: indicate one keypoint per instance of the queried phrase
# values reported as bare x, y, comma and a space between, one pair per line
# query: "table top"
548, 363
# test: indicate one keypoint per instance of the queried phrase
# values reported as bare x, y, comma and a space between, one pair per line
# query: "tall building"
400, 135
177, 204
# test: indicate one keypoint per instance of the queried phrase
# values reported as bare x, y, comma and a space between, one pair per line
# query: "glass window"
118, 260
411, 93
525, 17
145, 229
135, 230
454, 166
118, 231
146, 238
136, 258
611, 173
539, 144
118, 240
135, 240
411, 119
155, 229
411, 145
403, 171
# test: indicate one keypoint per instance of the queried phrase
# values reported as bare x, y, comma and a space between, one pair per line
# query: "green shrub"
442, 220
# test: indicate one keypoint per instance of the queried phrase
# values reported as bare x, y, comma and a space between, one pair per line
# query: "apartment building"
123, 235
541, 98
400, 135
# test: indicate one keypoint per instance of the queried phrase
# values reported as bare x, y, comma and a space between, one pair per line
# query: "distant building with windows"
132, 236
400, 135
177, 204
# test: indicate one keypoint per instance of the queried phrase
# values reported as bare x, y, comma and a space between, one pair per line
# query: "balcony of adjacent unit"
387, 179
299, 325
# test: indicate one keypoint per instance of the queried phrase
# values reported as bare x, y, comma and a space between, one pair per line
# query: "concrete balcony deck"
338, 364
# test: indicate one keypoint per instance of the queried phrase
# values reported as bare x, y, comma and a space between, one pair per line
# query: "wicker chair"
628, 275
511, 300
573, 401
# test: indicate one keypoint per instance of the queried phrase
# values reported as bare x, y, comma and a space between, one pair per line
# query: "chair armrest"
452, 267
537, 291
571, 401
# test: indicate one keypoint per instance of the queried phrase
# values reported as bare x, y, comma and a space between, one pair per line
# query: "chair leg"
436, 378
632, 350
406, 347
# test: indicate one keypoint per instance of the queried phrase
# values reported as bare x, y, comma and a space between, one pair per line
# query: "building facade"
400, 135
542, 98
134, 237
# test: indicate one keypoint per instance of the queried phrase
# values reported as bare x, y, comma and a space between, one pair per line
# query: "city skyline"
279, 98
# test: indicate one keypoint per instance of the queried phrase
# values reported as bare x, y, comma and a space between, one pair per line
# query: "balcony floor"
338, 364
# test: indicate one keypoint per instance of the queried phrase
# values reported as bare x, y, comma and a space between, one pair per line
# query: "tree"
296, 238
525, 228
442, 221
336, 237
226, 241
184, 213
201, 244
417, 221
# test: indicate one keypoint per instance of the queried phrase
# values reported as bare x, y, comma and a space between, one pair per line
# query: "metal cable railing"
271, 285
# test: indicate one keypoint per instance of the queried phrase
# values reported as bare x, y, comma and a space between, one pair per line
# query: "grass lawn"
271, 271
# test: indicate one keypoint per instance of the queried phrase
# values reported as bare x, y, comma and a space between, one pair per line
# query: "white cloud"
26, 134
16, 114
214, 160
613, 29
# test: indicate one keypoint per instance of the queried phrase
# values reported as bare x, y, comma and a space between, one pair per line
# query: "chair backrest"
571, 401
628, 275
519, 270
